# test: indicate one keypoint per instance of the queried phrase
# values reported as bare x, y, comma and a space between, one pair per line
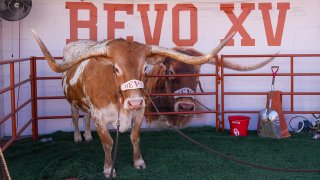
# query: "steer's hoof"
107, 172
77, 138
140, 164
87, 137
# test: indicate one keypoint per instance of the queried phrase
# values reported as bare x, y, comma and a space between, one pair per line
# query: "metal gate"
218, 95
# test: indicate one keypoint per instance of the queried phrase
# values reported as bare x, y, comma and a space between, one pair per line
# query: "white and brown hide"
103, 77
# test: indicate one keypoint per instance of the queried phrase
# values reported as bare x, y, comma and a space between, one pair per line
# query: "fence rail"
15, 110
219, 94
292, 93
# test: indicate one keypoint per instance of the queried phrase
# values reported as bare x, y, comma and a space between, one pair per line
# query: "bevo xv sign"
273, 34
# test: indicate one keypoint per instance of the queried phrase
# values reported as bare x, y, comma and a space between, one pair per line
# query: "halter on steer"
186, 91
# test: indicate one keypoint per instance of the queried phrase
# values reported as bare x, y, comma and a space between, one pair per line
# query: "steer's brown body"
180, 85
93, 87
97, 76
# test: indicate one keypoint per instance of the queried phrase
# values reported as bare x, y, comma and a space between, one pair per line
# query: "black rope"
4, 172
200, 86
114, 154
229, 157
201, 89
117, 139
203, 105
115, 149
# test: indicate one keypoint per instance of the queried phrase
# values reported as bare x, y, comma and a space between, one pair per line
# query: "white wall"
301, 34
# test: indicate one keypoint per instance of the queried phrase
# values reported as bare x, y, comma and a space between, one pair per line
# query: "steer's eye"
145, 69
116, 70
170, 72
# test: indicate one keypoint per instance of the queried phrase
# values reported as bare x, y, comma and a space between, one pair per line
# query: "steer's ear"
155, 59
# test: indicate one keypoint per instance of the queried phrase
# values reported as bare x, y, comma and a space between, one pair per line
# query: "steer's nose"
186, 107
135, 104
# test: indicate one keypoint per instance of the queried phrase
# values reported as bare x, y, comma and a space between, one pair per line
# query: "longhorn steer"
180, 84
99, 75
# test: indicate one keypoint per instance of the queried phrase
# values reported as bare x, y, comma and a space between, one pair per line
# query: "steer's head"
128, 59
184, 85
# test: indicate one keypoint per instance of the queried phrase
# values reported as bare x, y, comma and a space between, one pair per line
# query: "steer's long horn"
238, 67
195, 60
100, 49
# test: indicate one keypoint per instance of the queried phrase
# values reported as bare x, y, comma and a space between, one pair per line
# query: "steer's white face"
129, 69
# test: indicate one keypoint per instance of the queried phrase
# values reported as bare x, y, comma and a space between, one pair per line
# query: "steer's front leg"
135, 139
107, 143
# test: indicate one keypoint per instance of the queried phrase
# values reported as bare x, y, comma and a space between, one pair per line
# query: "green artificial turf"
167, 155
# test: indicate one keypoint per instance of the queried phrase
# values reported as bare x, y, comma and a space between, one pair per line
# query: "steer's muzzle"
134, 104
186, 106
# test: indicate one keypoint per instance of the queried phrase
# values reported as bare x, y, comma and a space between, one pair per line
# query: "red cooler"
239, 125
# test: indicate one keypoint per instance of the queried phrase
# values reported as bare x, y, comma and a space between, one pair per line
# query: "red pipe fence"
14, 110
291, 93
219, 79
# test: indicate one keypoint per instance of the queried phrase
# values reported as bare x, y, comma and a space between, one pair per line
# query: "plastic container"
239, 125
